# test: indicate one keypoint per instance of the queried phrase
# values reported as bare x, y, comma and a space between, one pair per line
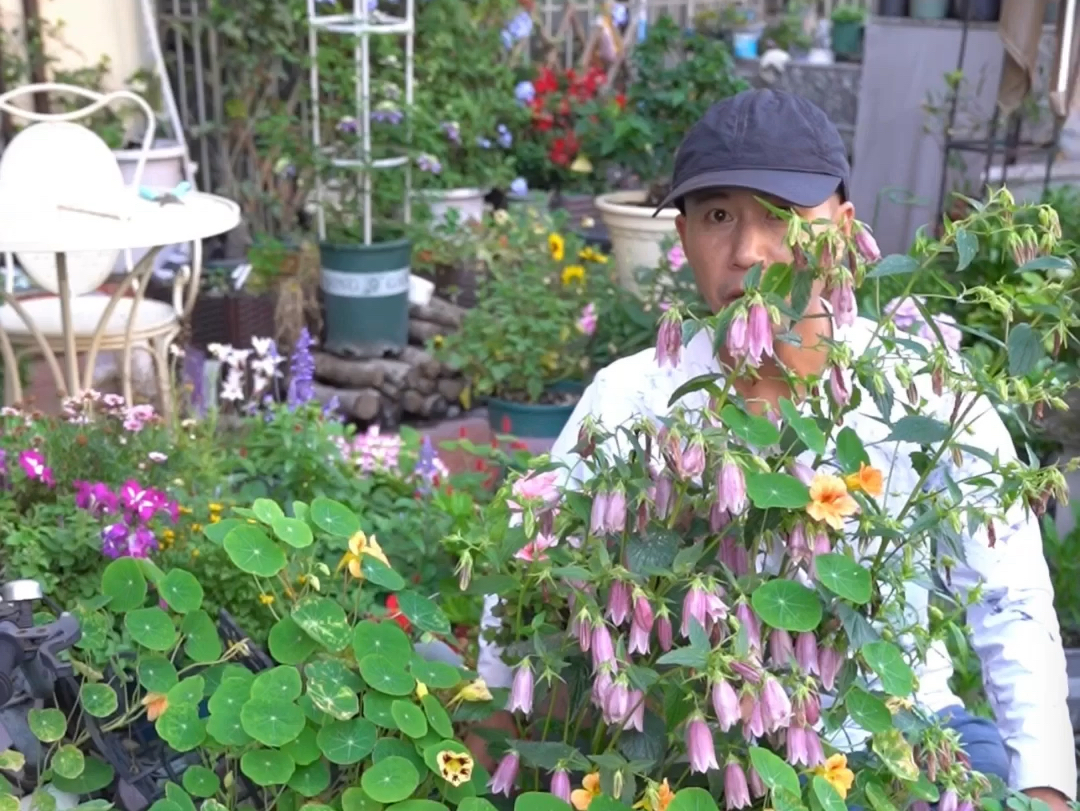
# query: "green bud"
936, 614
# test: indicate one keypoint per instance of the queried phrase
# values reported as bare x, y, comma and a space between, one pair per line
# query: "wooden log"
424, 331
372, 373
431, 406
421, 359
438, 311
420, 382
451, 388
360, 404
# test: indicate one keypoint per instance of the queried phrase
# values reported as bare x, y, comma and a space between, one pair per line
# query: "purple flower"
734, 555
949, 801
96, 498
452, 131
664, 634
797, 753
806, 653
693, 461
639, 638
348, 126
904, 313
615, 514
504, 137
520, 188
387, 112
618, 607
519, 28
603, 649
759, 334
829, 661
301, 371
748, 620
502, 782
560, 785
731, 487
949, 331
736, 790
775, 705
725, 703
669, 339
114, 540
429, 163
619, 14
866, 244
521, 692
838, 386
525, 92
699, 746
736, 339
616, 704
33, 465
842, 299
781, 647
482, 142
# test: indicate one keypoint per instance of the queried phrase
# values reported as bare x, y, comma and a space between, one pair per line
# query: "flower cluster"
907, 315
135, 506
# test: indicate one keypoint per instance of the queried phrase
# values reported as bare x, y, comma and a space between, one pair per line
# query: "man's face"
725, 232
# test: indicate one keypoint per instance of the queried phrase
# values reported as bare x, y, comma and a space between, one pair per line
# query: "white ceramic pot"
468, 203
635, 234
164, 169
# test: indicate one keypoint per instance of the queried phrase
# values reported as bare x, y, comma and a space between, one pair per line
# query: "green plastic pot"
847, 39
532, 420
929, 9
366, 294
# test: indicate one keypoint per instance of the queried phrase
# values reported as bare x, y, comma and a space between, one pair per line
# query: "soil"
553, 398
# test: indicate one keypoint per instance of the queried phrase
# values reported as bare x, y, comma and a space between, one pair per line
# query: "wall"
91, 28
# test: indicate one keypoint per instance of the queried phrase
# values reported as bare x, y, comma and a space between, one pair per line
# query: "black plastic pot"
982, 11
892, 8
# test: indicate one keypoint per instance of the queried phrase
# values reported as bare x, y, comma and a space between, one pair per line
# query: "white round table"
85, 224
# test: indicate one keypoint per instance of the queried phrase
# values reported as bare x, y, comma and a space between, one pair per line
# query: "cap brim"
803, 189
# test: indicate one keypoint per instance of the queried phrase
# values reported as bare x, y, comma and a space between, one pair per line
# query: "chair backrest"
56, 161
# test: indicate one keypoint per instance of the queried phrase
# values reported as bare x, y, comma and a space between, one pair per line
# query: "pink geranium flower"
676, 257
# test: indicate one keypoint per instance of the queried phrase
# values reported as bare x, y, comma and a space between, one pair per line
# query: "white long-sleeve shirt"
1014, 628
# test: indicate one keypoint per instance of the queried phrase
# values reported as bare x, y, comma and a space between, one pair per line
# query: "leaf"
788, 605
1025, 350
685, 657
354, 799
293, 531
348, 742
181, 590
288, 642
423, 613
390, 780
266, 510
1046, 263
386, 676
157, 674
181, 727
868, 711
541, 801
123, 583
878, 797
778, 490
380, 574
967, 245
653, 551
886, 660
754, 430
188, 691
305, 749
409, 718
217, 532
918, 429
48, 725
68, 761
897, 754
844, 577
334, 518
774, 772
280, 683
99, 700
438, 675
324, 621
200, 781
12, 760
850, 452
272, 723
332, 688
805, 428
252, 551
858, 629
201, 641
96, 775
311, 780
828, 796
893, 265
267, 767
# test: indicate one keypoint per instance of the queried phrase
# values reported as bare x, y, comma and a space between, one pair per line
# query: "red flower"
546, 82
505, 425
394, 612
620, 99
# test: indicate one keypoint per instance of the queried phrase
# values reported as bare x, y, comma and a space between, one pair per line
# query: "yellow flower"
437, 341
557, 246
573, 273
156, 704
590, 789
590, 254
421, 689
185, 510
215, 507
194, 553
837, 774
196, 528
473, 691
896, 704
266, 599
501, 217
550, 360
830, 501
214, 518
658, 797
868, 479
456, 768
301, 580
581, 165
360, 545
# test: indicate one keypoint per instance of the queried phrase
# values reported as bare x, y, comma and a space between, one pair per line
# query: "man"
777, 146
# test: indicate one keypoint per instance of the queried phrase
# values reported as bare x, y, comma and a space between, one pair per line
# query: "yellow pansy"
573, 273
557, 246
590, 789
836, 774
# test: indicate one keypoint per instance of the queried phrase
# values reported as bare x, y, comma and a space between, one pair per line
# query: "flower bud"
618, 607
521, 691
838, 387
736, 339
806, 652
949, 801
615, 515
725, 704
736, 790
694, 459
759, 334
664, 634
700, 748
842, 299
603, 649
775, 706
781, 648
669, 339
866, 244
560, 785
731, 487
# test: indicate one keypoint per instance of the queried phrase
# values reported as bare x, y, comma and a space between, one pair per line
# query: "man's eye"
718, 215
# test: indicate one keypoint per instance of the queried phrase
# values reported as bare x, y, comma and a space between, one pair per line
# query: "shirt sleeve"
1014, 628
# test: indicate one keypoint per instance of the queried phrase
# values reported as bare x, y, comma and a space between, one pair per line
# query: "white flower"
262, 345
219, 351
176, 350
237, 357
233, 389
156, 456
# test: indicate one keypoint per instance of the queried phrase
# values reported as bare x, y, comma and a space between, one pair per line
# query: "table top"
127, 221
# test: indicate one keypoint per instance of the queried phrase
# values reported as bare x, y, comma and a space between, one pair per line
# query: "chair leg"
164, 380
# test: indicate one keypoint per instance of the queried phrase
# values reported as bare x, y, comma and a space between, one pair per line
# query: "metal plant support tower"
364, 22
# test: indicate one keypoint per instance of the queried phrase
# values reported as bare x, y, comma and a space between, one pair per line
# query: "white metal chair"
59, 162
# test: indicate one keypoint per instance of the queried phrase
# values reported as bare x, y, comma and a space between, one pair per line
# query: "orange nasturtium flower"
837, 774
156, 704
868, 479
658, 797
830, 501
590, 788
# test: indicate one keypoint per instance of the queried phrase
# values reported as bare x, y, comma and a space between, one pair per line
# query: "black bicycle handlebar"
33, 648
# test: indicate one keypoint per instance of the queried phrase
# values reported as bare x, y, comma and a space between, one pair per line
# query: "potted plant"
848, 21
523, 348
465, 118
678, 77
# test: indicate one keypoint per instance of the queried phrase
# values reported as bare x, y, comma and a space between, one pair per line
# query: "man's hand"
1051, 796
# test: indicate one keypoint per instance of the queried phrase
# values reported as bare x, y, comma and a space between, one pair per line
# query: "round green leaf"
422, 612
278, 684
123, 582
390, 780
12, 761
324, 621
176, 794
311, 780
151, 627
99, 700
230, 696
293, 531
432, 805
869, 712
333, 688
788, 605
200, 781
347, 742
774, 772
438, 675
826, 795
767, 490
266, 510
48, 725
844, 577
181, 727
409, 718
437, 716
267, 767
227, 729
333, 518
354, 799
201, 641
9, 802
542, 801
886, 660
377, 710
305, 749
384, 638
157, 674
181, 590
383, 675
96, 775
289, 645
253, 552
188, 691
380, 574
272, 723
399, 747
68, 761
